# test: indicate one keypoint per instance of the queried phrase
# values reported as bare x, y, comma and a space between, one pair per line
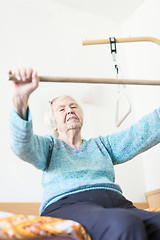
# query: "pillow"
30, 226
5, 214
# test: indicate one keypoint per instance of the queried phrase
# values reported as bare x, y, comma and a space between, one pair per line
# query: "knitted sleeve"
141, 136
27, 146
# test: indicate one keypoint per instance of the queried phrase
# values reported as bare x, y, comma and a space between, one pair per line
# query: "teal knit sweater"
67, 171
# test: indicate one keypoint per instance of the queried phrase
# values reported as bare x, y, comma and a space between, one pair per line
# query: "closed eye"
61, 109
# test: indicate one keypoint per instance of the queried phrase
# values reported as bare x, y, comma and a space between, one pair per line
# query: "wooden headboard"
20, 207
32, 208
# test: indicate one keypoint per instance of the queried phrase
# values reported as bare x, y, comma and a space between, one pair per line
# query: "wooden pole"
122, 40
103, 80
93, 80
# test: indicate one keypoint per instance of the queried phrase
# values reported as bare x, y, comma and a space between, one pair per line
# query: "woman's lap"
108, 215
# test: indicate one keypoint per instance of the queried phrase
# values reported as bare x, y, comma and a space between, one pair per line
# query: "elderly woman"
78, 175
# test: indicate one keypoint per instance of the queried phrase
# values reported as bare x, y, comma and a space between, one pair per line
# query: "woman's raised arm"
22, 89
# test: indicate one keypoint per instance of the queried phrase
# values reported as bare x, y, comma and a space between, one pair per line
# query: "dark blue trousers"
107, 215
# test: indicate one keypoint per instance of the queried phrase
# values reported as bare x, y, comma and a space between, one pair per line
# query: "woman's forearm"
20, 106
22, 89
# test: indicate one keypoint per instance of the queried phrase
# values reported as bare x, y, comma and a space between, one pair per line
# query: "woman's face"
67, 114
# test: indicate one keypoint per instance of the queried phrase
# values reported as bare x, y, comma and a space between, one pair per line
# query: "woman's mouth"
71, 118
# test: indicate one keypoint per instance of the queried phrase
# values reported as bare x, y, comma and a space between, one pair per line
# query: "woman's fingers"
27, 81
23, 74
18, 75
29, 72
35, 79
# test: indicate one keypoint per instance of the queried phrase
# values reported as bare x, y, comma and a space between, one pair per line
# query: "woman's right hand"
22, 89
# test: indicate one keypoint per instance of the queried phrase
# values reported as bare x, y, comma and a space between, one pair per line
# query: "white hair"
49, 118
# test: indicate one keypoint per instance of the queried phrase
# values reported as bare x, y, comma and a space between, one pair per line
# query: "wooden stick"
122, 40
93, 80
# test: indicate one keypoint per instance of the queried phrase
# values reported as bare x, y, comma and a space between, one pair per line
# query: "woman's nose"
69, 110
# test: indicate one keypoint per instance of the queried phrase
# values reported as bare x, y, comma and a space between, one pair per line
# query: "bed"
33, 207
22, 220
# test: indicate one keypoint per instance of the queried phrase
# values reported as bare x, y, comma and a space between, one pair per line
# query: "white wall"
143, 63
47, 36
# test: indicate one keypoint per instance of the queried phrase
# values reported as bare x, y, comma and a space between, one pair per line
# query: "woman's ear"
55, 128
54, 125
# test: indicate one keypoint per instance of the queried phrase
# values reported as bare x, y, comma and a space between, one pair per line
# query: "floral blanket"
22, 226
